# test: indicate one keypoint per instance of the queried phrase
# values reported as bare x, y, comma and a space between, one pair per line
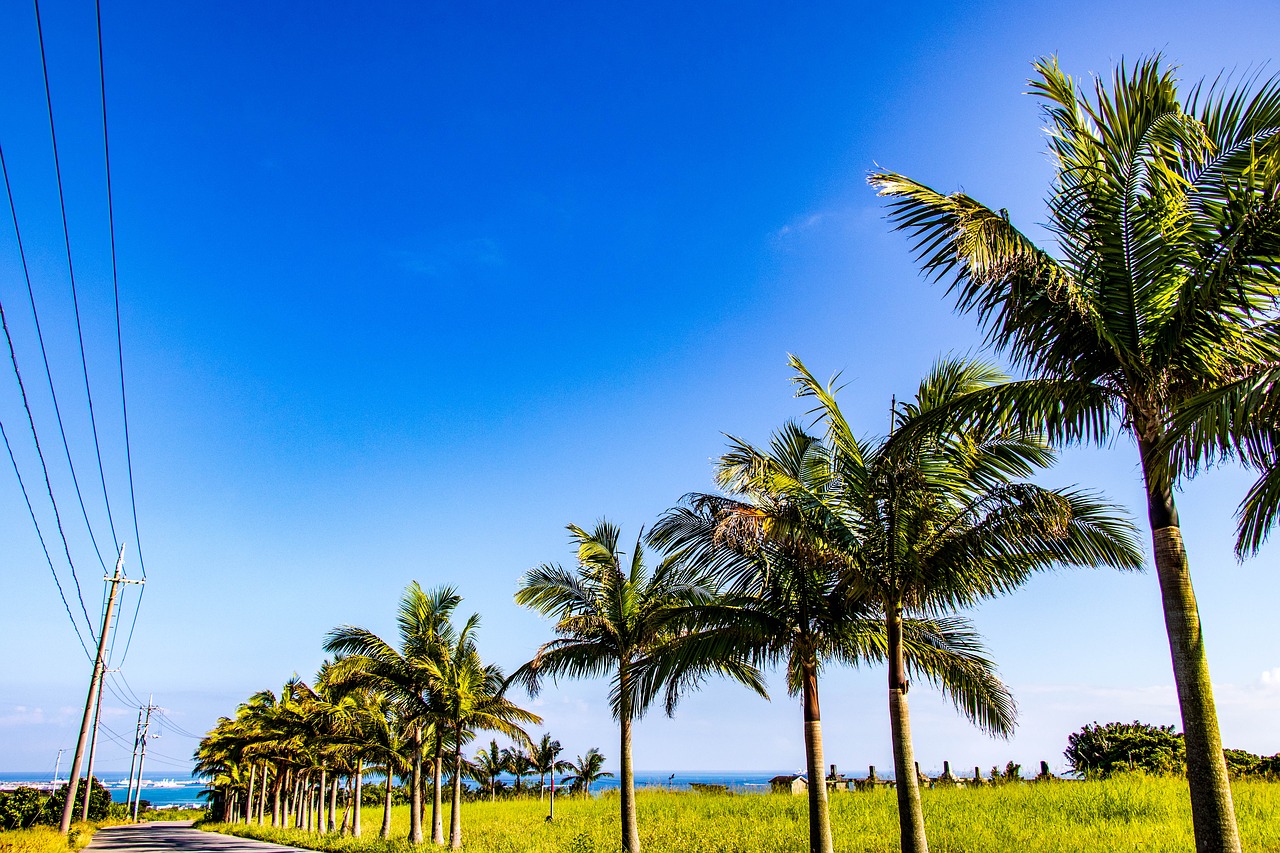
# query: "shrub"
1101, 750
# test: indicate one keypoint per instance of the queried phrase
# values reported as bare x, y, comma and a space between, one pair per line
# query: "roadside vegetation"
1153, 317
1126, 813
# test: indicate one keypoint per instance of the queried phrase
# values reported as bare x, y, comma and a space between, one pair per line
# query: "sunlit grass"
1122, 814
43, 839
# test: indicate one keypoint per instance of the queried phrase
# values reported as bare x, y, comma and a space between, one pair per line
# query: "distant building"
789, 784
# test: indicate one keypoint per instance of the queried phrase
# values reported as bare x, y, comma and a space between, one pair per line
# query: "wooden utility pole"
92, 746
146, 727
133, 759
95, 685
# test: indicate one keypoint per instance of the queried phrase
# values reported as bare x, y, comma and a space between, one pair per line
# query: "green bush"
22, 808
1101, 750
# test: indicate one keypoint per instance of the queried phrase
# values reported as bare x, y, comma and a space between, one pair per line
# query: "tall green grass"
43, 839
1120, 814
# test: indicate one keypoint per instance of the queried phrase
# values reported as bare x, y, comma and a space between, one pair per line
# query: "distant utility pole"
57, 765
93, 746
95, 685
133, 760
142, 757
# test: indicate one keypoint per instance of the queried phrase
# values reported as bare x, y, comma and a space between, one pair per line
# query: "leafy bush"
1098, 750
26, 807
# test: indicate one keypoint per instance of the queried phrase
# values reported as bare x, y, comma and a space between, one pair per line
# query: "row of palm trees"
1156, 318
825, 548
821, 548
375, 705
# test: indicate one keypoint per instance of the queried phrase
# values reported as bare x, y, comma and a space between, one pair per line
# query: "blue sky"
407, 289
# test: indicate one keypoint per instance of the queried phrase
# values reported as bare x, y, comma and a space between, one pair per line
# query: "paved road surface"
174, 837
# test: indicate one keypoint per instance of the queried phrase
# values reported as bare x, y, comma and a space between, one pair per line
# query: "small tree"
1101, 750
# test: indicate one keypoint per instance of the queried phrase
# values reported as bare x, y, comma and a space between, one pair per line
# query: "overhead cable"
71, 273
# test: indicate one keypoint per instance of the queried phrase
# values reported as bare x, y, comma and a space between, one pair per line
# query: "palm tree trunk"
297, 800
906, 782
415, 785
277, 816
437, 807
253, 777
333, 804
262, 797
630, 831
819, 813
455, 811
320, 809
1212, 813
355, 802
542, 784
386, 808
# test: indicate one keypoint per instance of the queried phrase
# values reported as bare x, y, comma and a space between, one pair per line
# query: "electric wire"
44, 547
115, 285
137, 700
13, 210
75, 300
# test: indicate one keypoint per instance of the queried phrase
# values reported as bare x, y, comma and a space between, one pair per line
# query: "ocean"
159, 789
177, 790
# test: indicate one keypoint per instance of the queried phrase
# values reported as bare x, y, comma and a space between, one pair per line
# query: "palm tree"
406, 676
472, 699
792, 599
490, 763
544, 759
615, 617
519, 765
1164, 214
587, 769
928, 522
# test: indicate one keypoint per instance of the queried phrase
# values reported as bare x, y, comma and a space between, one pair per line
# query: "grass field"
1122, 814
43, 839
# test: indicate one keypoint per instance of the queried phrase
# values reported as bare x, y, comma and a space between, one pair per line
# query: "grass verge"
1107, 816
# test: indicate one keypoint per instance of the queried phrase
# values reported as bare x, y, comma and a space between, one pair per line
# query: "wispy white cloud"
801, 225
22, 715
1271, 678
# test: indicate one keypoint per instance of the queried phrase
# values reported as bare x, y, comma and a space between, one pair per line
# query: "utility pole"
57, 765
133, 759
146, 726
95, 685
93, 745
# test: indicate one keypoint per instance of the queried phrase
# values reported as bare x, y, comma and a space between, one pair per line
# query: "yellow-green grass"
42, 839
1122, 814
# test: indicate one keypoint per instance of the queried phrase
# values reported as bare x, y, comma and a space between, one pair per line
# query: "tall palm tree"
472, 699
406, 676
928, 522
587, 769
1165, 216
615, 617
793, 601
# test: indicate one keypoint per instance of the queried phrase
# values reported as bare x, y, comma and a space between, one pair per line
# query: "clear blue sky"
408, 287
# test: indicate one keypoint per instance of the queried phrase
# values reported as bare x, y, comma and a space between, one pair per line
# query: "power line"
75, 300
115, 283
44, 547
13, 356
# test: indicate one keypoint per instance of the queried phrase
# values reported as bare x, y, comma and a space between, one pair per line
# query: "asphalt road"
174, 837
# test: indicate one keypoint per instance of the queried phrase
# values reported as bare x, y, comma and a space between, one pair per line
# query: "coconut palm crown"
927, 522
615, 617
1163, 286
